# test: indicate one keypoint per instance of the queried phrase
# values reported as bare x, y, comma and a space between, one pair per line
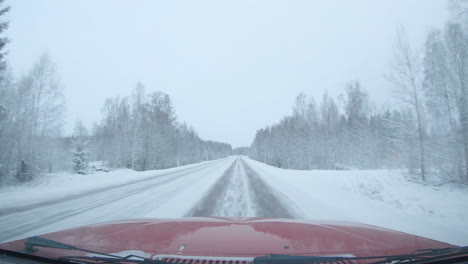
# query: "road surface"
240, 192
227, 187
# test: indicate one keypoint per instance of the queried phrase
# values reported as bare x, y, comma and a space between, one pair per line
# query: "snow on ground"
51, 186
378, 197
171, 195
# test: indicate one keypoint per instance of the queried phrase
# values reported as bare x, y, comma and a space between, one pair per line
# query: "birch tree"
3, 40
406, 76
39, 108
143, 133
457, 46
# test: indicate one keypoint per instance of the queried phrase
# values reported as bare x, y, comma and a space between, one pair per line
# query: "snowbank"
52, 186
378, 197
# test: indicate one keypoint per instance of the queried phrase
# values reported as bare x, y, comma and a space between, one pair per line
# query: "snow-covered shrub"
98, 166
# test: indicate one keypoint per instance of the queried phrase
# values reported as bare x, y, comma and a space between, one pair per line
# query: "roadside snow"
169, 196
377, 197
51, 186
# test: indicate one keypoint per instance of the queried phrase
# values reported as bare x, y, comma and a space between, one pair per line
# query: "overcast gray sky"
231, 67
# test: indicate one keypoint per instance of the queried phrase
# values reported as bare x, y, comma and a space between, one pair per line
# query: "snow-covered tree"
80, 144
38, 109
406, 76
3, 40
356, 112
444, 148
339, 138
5, 100
457, 46
142, 133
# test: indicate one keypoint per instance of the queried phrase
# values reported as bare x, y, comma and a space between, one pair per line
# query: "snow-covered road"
236, 187
167, 195
240, 192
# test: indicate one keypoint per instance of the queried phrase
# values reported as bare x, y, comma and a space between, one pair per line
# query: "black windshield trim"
4, 253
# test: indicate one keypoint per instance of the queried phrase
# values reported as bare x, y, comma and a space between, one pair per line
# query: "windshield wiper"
37, 241
418, 256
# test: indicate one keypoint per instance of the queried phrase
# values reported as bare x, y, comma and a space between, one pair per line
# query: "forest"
425, 130
140, 131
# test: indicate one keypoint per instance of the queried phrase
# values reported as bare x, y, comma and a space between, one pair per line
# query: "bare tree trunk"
464, 125
422, 160
406, 70
465, 142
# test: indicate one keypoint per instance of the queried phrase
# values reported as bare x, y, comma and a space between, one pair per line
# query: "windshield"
342, 124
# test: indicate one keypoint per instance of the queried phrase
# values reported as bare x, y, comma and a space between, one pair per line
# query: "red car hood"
233, 237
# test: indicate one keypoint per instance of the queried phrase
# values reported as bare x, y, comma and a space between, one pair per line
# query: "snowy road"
240, 192
236, 187
227, 187
150, 183
166, 195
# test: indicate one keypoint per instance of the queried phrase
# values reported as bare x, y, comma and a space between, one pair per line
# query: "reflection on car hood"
234, 237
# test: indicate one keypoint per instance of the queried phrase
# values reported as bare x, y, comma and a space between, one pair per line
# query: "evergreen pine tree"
80, 141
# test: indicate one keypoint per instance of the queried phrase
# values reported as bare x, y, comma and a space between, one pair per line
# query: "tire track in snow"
267, 201
208, 203
237, 200
240, 192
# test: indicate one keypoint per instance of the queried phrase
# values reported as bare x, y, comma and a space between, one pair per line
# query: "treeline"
337, 134
31, 118
427, 133
141, 132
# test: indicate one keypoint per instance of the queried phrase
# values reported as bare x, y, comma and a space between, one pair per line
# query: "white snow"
51, 186
378, 197
100, 165
383, 198
171, 195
